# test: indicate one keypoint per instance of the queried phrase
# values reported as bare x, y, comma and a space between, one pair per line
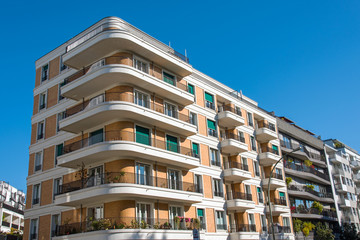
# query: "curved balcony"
230, 117
243, 231
306, 173
110, 186
119, 106
233, 144
239, 201
112, 71
278, 206
113, 35
312, 213
123, 144
236, 172
268, 158
277, 181
303, 191
266, 133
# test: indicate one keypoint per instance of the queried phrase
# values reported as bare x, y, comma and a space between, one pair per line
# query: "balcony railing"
233, 136
271, 150
239, 195
120, 135
218, 193
125, 97
238, 165
18, 208
303, 210
275, 175
302, 188
268, 126
212, 132
210, 105
130, 178
36, 200
243, 228
5, 224
237, 111
280, 201
280, 229
15, 226
302, 168
109, 61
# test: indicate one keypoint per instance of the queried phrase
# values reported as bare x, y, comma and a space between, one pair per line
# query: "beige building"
130, 141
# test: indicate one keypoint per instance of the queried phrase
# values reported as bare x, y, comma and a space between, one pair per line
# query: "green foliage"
323, 232
101, 224
143, 224
177, 221
338, 145
297, 225
308, 163
288, 181
349, 232
310, 186
196, 223
307, 227
317, 206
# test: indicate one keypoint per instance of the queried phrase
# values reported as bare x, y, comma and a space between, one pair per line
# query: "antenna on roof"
169, 44
185, 53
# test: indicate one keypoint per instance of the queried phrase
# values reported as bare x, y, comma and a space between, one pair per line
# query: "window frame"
42, 79
143, 61
42, 106
38, 193
43, 130
41, 161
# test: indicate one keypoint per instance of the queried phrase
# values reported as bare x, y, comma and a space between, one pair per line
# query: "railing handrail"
230, 135
239, 195
267, 125
303, 188
301, 168
127, 177
271, 150
233, 164
125, 97
243, 228
280, 201
229, 109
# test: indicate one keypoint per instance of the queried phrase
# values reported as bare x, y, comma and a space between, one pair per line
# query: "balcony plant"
101, 224
297, 223
134, 224
288, 181
177, 222
310, 186
318, 206
308, 163
323, 232
143, 224
306, 228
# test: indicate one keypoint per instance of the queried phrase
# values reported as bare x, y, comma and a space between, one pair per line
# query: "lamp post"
271, 172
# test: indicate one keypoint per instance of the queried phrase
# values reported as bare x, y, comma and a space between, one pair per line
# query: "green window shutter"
191, 89
142, 135
195, 148
211, 124
275, 147
96, 136
59, 149
200, 212
209, 97
259, 190
169, 78
281, 194
172, 143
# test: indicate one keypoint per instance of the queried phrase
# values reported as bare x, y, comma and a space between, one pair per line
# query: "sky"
299, 59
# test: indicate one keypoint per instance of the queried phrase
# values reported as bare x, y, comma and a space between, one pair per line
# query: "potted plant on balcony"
308, 163
318, 206
288, 181
306, 228
143, 224
310, 186
177, 222
117, 178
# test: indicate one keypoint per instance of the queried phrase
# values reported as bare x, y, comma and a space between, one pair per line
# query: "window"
143, 176
260, 195
175, 212
253, 143
36, 194
251, 220
40, 130
248, 189
60, 117
95, 213
201, 217
217, 188
141, 99
141, 65
198, 183
55, 223
250, 119
214, 157
256, 168
195, 150
263, 223
211, 128
59, 150
142, 135
220, 220
244, 163
96, 136
170, 110
38, 161
286, 222
287, 142
33, 229
191, 89
42, 101
275, 149
96, 176
193, 118
282, 198
272, 127
45, 72
62, 66
169, 78
241, 137
209, 101
143, 212
278, 173
174, 179
57, 184
172, 143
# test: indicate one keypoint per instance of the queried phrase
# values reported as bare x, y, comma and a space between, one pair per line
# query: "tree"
349, 232
297, 225
306, 228
323, 232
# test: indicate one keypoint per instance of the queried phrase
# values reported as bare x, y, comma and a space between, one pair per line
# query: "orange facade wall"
44, 227
46, 192
49, 158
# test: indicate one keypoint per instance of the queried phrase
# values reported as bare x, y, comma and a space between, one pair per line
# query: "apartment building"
12, 205
130, 141
344, 168
307, 175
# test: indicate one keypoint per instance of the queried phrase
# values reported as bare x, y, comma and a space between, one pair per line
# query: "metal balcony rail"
221, 226
5, 224
126, 177
15, 226
303, 210
16, 209
280, 229
267, 125
280, 201
239, 195
120, 135
180, 223
302, 188
243, 228
274, 175
120, 60
210, 105
224, 108
218, 193
212, 132
125, 97
270, 150
230, 135
238, 165
303, 168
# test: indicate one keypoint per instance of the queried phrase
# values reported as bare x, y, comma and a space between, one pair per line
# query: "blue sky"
297, 58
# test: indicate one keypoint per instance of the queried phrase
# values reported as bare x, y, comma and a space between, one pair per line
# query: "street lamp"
271, 172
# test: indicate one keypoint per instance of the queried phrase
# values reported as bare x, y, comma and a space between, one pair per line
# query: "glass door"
172, 143
95, 176
170, 110
96, 137
143, 174
174, 180
174, 212
141, 99
143, 212
95, 213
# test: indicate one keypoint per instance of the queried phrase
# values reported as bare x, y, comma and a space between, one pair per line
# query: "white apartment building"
130, 141
344, 167
12, 205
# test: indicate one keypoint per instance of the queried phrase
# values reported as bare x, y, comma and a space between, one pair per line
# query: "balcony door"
143, 212
95, 176
142, 135
95, 212
174, 179
143, 174
170, 110
96, 136
174, 212
141, 99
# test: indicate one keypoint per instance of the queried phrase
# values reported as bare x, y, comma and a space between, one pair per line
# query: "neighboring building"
344, 167
307, 173
127, 133
12, 205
